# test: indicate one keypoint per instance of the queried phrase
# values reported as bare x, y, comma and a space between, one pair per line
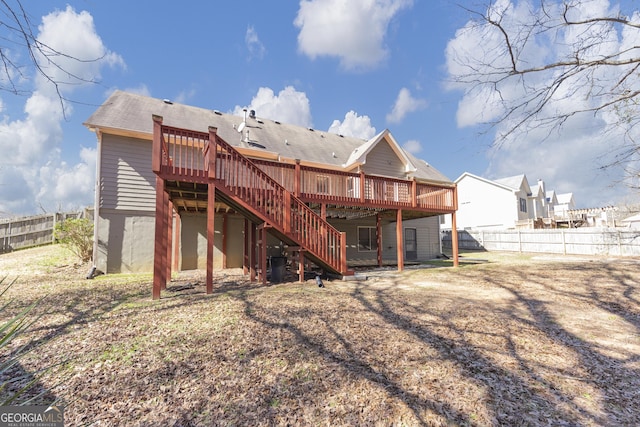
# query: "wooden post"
454, 228
252, 253
362, 187
245, 249
211, 153
211, 214
301, 265
177, 238
297, 179
343, 251
414, 193
287, 212
454, 239
225, 226
263, 254
379, 238
400, 240
159, 269
169, 245
156, 153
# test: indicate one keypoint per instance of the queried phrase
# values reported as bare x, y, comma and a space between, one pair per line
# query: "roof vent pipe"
252, 114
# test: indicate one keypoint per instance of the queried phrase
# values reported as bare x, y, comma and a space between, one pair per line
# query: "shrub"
77, 235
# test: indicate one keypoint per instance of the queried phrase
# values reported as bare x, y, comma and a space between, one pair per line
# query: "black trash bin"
278, 266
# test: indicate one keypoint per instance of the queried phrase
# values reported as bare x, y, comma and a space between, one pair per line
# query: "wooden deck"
198, 171
179, 159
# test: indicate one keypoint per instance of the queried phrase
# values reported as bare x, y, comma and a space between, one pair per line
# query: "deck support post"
177, 238
454, 228
252, 253
400, 240
245, 249
225, 227
301, 265
379, 238
169, 240
454, 239
160, 249
211, 215
262, 257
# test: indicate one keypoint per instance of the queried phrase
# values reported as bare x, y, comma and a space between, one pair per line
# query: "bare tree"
539, 63
23, 56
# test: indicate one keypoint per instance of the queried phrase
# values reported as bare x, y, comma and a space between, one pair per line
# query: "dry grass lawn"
518, 340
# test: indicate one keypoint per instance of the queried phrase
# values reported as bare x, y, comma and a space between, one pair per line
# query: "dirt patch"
511, 340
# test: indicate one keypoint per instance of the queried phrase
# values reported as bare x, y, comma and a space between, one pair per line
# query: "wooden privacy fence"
588, 241
24, 232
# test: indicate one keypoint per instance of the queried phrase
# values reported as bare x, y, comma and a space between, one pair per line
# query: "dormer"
381, 155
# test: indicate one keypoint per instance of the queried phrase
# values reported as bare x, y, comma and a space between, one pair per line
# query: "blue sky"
356, 67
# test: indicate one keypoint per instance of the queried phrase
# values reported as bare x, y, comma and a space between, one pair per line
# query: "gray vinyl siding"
127, 181
382, 160
124, 243
427, 238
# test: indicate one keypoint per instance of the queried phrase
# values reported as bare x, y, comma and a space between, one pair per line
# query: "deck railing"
179, 156
247, 182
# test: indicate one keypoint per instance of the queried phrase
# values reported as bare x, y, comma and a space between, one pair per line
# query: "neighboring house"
180, 187
497, 204
565, 203
632, 222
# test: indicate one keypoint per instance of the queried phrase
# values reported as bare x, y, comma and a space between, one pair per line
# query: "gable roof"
359, 155
131, 114
496, 183
564, 198
516, 182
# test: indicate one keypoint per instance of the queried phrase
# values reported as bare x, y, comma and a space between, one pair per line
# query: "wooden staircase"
248, 189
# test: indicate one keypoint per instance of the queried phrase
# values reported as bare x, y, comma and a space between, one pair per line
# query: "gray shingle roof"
131, 112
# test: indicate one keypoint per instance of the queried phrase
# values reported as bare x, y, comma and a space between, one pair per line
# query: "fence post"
564, 243
53, 231
619, 243
519, 241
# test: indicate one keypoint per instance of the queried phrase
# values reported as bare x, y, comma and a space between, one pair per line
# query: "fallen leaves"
481, 345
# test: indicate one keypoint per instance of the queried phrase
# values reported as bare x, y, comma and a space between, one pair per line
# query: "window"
523, 205
322, 184
367, 239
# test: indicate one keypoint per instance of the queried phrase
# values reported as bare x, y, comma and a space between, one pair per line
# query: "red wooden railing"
180, 157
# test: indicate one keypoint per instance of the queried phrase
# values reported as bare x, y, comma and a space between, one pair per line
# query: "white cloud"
353, 125
33, 175
571, 156
413, 146
404, 105
84, 54
353, 31
254, 45
289, 106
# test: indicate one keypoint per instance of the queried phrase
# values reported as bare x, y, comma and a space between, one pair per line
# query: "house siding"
127, 181
123, 241
427, 238
382, 160
481, 204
